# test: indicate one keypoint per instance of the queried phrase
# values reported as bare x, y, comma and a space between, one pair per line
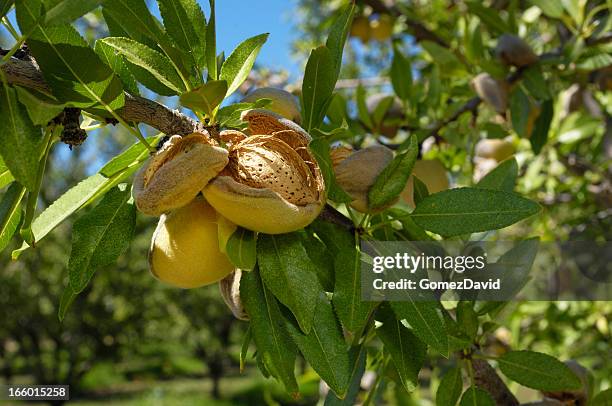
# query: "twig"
136, 109
333, 216
486, 378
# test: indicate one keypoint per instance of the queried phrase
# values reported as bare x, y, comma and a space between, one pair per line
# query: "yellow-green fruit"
382, 28
185, 247
283, 102
496, 149
361, 29
429, 171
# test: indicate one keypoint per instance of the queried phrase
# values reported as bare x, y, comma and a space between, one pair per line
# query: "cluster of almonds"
264, 179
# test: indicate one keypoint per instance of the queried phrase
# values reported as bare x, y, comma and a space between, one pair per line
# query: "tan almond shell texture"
177, 173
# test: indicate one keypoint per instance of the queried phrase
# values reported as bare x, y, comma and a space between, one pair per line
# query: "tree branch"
136, 109
486, 378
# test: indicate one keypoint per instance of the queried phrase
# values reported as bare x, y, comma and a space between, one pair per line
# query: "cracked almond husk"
177, 173
272, 183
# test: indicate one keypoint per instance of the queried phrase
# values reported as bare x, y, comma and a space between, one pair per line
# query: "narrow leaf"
519, 111
185, 23
274, 346
324, 347
66, 11
401, 75
287, 271
135, 20
10, 213
118, 64
360, 355
337, 36
392, 180
420, 190
406, 350
154, 62
318, 87
450, 388
426, 320
5, 6
100, 236
66, 300
603, 398
211, 44
539, 136
351, 310
502, 177
21, 140
538, 371
241, 249
237, 66
468, 210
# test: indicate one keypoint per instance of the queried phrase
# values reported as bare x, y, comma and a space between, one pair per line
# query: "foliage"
303, 294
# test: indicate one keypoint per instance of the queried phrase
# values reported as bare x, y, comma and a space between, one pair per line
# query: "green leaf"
287, 271
445, 59
275, 348
450, 388
21, 140
355, 381
244, 349
318, 86
320, 149
66, 300
321, 258
324, 347
420, 190
474, 396
603, 398
5, 175
539, 136
351, 310
160, 66
241, 249
66, 11
467, 318
337, 36
553, 9
40, 107
211, 44
85, 192
5, 6
490, 17
406, 350
118, 64
401, 74
519, 110
468, 210
534, 82
185, 23
503, 177
392, 180
237, 66
10, 213
135, 19
100, 236
362, 108
72, 69
205, 98
538, 371
426, 320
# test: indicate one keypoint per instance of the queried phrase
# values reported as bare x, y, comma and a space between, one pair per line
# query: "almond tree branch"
486, 378
136, 109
